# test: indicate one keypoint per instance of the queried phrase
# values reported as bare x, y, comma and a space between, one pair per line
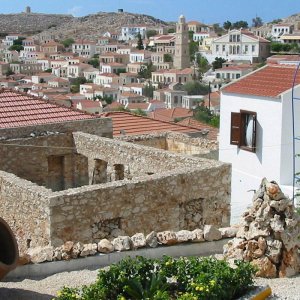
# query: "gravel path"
45, 289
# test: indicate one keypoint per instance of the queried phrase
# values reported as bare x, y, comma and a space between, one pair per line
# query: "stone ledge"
102, 260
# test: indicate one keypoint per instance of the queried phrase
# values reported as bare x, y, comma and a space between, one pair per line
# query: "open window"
243, 130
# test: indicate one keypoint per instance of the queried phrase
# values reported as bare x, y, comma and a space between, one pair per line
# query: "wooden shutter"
235, 128
254, 133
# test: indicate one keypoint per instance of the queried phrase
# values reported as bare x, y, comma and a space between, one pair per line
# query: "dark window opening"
243, 130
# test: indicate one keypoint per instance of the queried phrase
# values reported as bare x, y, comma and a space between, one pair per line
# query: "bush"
167, 279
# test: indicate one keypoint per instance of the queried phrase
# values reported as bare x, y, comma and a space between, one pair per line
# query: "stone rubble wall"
174, 200
98, 126
141, 159
269, 235
176, 142
25, 207
72, 250
27, 157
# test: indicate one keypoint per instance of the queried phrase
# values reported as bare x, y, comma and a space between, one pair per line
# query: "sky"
206, 11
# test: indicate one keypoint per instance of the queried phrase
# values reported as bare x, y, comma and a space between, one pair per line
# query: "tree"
148, 90
171, 30
218, 29
17, 45
196, 88
48, 70
218, 62
193, 48
146, 72
240, 24
227, 25
139, 112
150, 33
68, 42
76, 82
9, 72
257, 22
168, 57
203, 65
16, 48
276, 21
140, 44
191, 35
203, 114
94, 62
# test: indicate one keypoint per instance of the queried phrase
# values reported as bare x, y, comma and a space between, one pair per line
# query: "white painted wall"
249, 168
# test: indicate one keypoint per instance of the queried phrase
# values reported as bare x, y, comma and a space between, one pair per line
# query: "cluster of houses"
112, 69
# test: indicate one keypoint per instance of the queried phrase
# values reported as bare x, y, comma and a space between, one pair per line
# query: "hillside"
27, 23
97, 24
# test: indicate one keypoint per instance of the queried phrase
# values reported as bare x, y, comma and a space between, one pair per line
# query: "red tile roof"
18, 109
170, 114
212, 131
270, 81
134, 124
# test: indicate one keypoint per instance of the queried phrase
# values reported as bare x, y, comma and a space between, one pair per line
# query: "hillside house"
256, 134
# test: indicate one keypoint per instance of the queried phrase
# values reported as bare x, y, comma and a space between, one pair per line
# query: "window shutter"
235, 128
254, 134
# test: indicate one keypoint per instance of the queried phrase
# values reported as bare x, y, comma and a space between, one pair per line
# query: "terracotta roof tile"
212, 131
270, 81
133, 124
19, 109
170, 114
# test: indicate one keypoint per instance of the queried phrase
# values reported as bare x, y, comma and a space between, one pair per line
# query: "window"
243, 130
223, 48
253, 48
217, 48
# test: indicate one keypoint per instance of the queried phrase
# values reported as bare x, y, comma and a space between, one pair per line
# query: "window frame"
238, 130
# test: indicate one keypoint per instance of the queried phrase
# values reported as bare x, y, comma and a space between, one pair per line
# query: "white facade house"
131, 32
239, 45
256, 133
84, 48
281, 29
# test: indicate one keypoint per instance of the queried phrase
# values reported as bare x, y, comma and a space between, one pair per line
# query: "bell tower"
182, 57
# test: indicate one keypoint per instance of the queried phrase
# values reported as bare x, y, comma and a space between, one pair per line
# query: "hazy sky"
207, 11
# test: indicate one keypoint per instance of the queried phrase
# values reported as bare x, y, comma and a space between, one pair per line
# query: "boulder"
211, 233
290, 264
138, 240
122, 243
105, 246
76, 250
198, 235
88, 249
167, 238
40, 254
228, 232
184, 236
265, 268
151, 240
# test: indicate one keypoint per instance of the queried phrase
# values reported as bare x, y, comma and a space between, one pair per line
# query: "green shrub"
167, 279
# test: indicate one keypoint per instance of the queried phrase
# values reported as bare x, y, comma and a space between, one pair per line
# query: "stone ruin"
269, 234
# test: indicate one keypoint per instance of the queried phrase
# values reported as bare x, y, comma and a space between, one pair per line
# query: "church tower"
182, 57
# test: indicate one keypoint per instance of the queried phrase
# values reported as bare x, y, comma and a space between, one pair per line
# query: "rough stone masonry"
269, 235
90, 188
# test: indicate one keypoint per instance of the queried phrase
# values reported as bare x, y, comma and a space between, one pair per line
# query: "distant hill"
28, 23
99, 23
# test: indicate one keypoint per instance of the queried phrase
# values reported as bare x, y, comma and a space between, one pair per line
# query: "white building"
256, 134
281, 29
239, 45
131, 32
84, 48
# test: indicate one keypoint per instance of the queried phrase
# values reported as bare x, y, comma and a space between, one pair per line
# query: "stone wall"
97, 126
178, 143
50, 161
152, 189
182, 193
25, 207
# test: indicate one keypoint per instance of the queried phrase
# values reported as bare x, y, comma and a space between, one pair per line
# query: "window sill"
249, 149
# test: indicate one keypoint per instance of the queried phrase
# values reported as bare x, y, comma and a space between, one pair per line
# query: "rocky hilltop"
99, 23
28, 23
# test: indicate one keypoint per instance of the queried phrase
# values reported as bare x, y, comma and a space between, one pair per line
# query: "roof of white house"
269, 81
